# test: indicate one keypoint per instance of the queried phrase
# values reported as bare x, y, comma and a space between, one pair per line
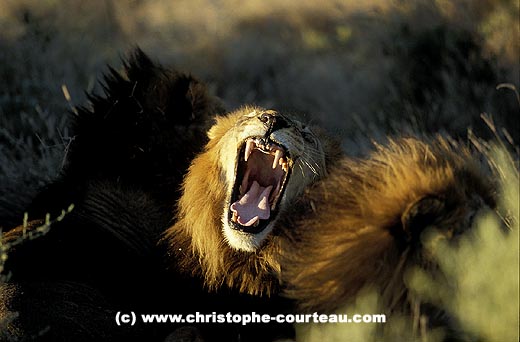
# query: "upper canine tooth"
250, 144
277, 157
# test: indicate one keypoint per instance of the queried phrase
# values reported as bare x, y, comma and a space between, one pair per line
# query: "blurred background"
362, 69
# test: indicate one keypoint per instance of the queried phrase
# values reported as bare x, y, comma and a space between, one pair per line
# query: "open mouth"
263, 169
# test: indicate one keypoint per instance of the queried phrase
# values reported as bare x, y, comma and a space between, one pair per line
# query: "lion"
256, 165
274, 207
131, 149
267, 203
364, 224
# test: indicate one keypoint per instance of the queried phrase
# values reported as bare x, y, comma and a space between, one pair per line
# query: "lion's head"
267, 160
253, 169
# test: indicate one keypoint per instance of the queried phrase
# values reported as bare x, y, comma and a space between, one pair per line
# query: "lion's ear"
223, 125
421, 214
217, 131
214, 132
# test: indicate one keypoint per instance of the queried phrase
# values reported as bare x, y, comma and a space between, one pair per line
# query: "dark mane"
130, 149
143, 131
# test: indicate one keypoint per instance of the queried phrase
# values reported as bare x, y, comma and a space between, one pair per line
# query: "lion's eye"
307, 134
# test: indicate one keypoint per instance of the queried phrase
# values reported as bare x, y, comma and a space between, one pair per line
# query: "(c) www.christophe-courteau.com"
130, 318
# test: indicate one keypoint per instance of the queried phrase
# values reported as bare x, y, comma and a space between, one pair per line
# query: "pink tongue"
254, 205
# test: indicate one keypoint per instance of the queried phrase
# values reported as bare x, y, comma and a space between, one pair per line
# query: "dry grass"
29, 230
362, 69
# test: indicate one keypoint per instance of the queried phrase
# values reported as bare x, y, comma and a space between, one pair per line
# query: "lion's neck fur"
356, 209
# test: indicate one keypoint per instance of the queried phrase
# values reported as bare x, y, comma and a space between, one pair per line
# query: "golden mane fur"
196, 240
358, 226
361, 225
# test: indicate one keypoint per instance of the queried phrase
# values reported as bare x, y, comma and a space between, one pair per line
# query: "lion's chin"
243, 241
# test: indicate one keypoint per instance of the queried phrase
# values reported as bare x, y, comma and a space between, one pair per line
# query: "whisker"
301, 168
313, 166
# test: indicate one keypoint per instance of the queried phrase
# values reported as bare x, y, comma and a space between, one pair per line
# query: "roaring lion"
123, 172
272, 205
254, 168
267, 203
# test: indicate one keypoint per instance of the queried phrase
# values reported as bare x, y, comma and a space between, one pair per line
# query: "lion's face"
266, 159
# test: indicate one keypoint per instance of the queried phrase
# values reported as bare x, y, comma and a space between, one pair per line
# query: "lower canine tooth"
256, 223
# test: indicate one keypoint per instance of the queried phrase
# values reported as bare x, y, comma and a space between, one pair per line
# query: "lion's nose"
268, 118
273, 121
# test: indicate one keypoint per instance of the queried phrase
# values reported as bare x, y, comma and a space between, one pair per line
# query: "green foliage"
483, 268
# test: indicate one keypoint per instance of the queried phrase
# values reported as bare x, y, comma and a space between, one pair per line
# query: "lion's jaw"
267, 159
